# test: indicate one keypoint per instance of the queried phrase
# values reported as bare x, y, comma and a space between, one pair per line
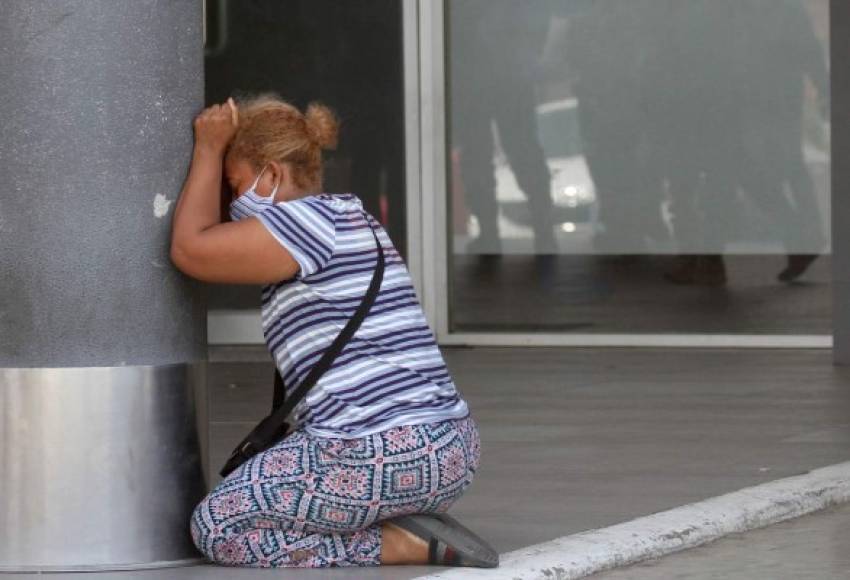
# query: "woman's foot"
399, 546
445, 540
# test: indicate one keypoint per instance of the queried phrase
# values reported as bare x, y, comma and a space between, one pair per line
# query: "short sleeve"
306, 228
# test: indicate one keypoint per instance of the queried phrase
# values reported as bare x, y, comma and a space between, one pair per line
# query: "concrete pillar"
102, 341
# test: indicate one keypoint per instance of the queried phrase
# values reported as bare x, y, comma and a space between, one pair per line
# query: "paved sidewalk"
576, 439
813, 547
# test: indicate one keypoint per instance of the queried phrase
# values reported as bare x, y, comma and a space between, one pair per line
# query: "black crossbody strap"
281, 407
279, 390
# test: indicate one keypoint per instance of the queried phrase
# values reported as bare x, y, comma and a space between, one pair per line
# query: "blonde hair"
271, 129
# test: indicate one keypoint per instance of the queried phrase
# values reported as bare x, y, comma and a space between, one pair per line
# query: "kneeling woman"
383, 443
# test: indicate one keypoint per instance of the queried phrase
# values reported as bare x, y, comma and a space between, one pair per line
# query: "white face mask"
250, 202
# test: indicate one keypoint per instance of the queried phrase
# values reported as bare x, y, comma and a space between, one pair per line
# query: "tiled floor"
574, 439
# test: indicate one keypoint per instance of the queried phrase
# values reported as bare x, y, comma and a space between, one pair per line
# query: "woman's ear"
274, 171
282, 174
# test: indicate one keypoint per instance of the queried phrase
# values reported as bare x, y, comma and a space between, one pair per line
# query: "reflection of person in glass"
693, 107
606, 50
783, 51
728, 78
495, 46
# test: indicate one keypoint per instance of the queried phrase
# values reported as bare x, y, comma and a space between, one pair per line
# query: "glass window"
639, 166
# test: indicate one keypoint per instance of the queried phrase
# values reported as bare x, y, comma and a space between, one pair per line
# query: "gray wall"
97, 124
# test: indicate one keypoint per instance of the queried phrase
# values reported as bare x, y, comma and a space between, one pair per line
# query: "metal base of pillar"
100, 467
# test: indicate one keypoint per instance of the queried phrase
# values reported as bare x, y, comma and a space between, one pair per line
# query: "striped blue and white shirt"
391, 372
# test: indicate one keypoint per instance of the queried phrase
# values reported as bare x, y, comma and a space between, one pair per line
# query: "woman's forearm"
199, 205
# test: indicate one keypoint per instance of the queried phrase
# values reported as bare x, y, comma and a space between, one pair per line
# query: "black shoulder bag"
274, 427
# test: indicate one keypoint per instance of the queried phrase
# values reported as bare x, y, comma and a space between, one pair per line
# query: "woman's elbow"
180, 258
192, 264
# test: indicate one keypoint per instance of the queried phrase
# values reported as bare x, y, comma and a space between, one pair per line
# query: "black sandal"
450, 543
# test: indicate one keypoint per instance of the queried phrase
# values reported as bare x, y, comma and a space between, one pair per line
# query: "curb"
663, 533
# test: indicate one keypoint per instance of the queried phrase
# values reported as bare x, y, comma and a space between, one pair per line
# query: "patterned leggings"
313, 502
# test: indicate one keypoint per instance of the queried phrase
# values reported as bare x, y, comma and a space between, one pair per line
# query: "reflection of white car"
572, 190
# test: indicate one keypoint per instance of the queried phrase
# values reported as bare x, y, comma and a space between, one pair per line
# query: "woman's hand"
216, 125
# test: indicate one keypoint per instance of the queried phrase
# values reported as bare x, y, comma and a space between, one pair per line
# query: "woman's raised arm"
202, 247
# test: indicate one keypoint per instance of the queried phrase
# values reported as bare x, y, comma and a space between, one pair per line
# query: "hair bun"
322, 125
